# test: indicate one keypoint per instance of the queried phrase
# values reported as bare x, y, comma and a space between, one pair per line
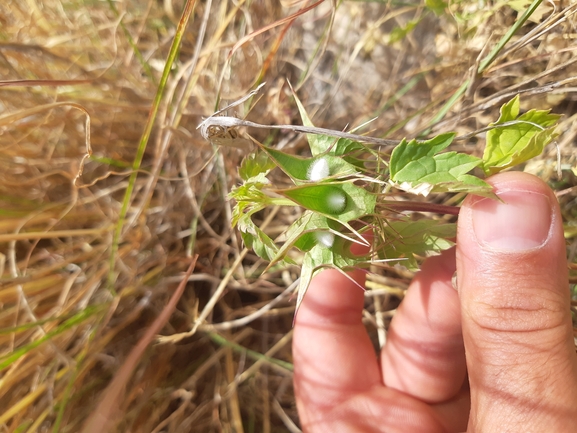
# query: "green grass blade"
485, 63
133, 45
7, 360
172, 55
507, 37
221, 341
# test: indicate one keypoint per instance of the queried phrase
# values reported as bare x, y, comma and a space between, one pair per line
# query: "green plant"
348, 186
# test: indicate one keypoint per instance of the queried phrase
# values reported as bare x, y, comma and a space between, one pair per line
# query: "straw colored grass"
107, 190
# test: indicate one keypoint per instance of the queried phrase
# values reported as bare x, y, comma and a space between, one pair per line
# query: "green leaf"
437, 6
300, 234
418, 167
318, 143
255, 164
311, 169
345, 146
257, 240
321, 257
249, 199
340, 201
516, 139
400, 33
309, 230
350, 151
308, 223
408, 151
407, 239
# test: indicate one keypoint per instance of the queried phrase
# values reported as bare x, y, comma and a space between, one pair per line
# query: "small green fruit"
335, 201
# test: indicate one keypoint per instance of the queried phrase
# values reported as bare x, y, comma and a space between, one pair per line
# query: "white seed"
335, 201
318, 170
326, 239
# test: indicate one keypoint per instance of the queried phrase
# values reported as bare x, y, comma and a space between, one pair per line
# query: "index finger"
332, 352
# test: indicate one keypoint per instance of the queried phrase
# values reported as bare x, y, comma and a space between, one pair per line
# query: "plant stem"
280, 201
417, 206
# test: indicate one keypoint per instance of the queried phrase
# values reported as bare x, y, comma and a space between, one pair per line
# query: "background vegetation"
108, 191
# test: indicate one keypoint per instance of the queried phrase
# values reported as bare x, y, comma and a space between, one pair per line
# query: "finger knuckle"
518, 309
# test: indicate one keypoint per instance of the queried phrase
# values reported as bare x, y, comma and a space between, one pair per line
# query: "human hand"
497, 355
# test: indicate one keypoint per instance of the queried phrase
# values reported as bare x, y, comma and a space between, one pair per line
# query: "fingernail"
520, 222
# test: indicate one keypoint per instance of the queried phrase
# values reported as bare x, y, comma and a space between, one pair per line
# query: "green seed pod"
326, 239
323, 198
318, 170
335, 201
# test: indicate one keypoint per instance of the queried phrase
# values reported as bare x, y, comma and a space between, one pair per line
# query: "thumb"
515, 307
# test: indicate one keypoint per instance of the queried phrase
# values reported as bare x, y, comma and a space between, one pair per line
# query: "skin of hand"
495, 355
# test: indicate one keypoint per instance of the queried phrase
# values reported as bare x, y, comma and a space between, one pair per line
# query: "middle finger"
424, 355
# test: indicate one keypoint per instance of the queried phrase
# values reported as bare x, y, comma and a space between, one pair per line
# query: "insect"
227, 136
220, 131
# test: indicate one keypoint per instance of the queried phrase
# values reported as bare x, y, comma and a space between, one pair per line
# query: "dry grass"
88, 262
